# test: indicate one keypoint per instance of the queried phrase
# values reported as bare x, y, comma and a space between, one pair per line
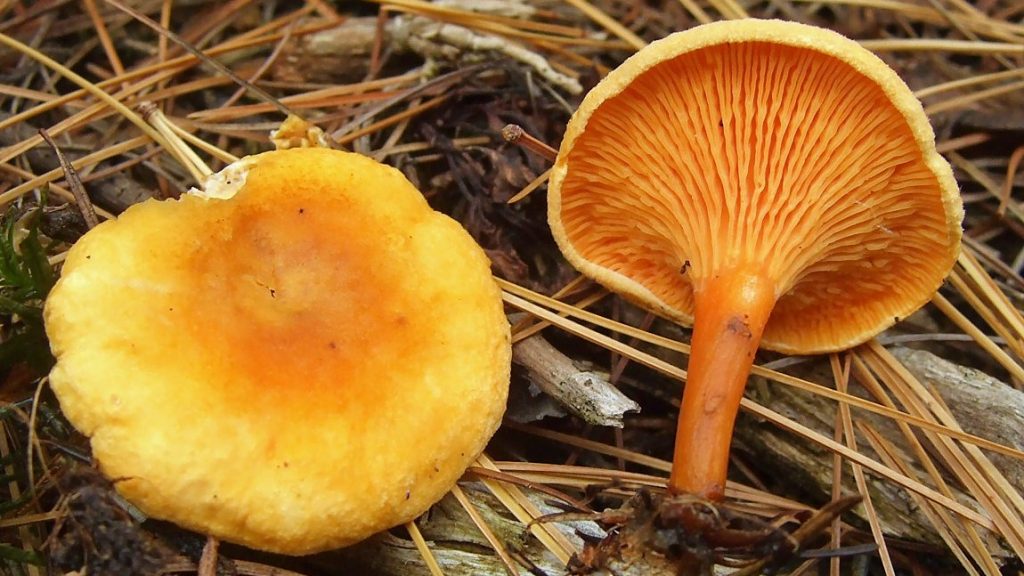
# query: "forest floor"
925, 422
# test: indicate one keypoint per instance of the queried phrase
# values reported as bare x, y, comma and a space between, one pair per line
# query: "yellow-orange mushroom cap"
778, 162
301, 356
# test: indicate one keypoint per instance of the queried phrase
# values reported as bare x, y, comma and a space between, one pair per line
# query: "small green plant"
26, 277
15, 556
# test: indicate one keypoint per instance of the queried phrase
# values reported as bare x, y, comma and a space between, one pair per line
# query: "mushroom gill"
768, 154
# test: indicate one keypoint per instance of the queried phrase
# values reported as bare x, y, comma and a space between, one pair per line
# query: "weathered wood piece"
585, 393
457, 544
983, 405
343, 53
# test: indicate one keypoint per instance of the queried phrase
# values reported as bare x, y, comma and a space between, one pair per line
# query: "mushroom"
297, 357
769, 182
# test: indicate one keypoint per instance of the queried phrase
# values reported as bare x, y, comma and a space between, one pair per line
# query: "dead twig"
74, 182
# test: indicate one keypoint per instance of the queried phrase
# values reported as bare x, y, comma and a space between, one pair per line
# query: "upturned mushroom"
300, 355
771, 183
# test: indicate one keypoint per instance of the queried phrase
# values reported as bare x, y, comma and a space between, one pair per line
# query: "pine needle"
952, 532
35, 182
512, 297
608, 23
424, 550
182, 42
870, 464
968, 464
876, 389
104, 36
949, 46
485, 529
841, 378
526, 512
82, 83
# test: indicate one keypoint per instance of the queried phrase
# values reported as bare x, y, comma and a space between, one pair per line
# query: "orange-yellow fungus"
772, 183
298, 357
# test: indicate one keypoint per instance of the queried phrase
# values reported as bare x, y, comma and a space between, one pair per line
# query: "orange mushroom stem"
731, 311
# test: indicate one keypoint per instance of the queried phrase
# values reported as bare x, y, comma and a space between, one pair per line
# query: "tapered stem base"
730, 315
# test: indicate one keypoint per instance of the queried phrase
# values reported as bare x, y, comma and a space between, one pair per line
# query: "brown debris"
688, 536
97, 535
